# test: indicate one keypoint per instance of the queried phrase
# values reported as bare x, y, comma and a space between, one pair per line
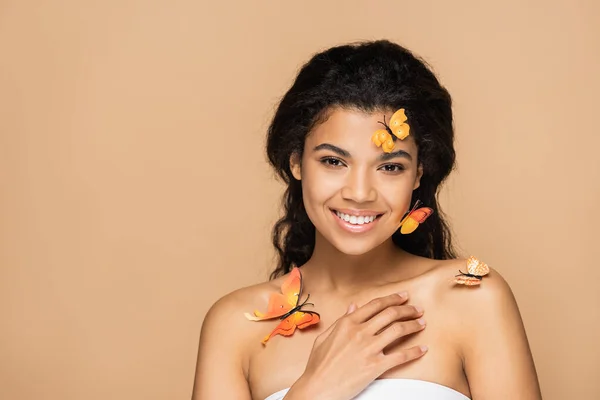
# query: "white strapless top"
401, 389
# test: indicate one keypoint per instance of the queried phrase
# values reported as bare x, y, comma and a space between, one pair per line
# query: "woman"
363, 135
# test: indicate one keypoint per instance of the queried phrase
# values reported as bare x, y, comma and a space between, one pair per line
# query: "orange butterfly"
286, 306
414, 218
397, 127
476, 270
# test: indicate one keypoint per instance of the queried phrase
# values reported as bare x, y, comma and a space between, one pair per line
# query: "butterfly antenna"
405, 217
307, 297
385, 125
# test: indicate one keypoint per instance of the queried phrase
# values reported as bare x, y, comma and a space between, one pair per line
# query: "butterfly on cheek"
287, 307
414, 218
476, 270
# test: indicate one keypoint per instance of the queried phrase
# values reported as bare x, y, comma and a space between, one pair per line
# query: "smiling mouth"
356, 219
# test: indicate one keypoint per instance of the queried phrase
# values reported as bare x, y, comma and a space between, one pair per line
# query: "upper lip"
358, 213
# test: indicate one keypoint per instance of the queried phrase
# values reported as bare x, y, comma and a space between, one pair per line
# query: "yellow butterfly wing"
409, 226
379, 136
398, 124
413, 219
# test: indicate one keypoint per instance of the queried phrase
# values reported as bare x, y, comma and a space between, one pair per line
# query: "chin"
354, 247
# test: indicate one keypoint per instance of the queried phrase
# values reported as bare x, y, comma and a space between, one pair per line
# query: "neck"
333, 271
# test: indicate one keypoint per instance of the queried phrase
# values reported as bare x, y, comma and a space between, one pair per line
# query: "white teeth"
353, 219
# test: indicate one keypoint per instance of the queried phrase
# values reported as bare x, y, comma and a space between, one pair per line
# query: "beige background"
125, 212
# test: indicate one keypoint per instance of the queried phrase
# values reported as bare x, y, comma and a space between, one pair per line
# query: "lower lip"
347, 226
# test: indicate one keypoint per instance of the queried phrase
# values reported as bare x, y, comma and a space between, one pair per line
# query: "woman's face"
354, 193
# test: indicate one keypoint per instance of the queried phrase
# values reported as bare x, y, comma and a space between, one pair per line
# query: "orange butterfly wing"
288, 326
281, 303
467, 280
474, 267
413, 219
477, 267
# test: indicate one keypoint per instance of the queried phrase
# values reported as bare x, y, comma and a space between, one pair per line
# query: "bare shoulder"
468, 308
226, 315
489, 330
223, 354
493, 290
225, 323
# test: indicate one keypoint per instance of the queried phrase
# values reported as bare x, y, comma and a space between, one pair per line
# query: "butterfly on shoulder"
476, 270
287, 307
414, 218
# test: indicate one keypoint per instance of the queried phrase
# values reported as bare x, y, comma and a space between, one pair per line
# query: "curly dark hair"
367, 76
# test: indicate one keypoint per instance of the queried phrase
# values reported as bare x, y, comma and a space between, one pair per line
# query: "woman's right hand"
349, 354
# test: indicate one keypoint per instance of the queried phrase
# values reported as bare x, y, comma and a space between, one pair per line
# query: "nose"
359, 187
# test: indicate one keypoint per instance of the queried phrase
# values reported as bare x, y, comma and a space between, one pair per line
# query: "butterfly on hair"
397, 128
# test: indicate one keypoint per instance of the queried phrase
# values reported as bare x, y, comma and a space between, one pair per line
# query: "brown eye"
332, 162
393, 168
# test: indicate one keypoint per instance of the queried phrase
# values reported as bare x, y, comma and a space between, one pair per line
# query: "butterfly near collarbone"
476, 270
287, 307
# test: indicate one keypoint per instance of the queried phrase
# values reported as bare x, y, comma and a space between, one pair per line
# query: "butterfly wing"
292, 287
466, 280
388, 145
281, 303
413, 219
379, 136
383, 139
299, 319
477, 267
398, 126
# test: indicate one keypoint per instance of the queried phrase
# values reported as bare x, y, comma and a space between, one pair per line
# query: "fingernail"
403, 294
421, 321
424, 348
350, 308
419, 309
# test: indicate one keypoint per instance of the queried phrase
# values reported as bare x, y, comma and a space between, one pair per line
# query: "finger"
402, 356
397, 330
390, 315
373, 307
323, 335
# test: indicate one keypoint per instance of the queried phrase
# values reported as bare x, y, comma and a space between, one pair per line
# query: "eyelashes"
336, 163
331, 162
393, 167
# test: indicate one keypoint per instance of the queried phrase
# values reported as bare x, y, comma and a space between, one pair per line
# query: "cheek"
398, 194
319, 185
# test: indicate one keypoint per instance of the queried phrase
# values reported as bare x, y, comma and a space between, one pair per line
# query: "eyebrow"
335, 149
343, 153
394, 154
